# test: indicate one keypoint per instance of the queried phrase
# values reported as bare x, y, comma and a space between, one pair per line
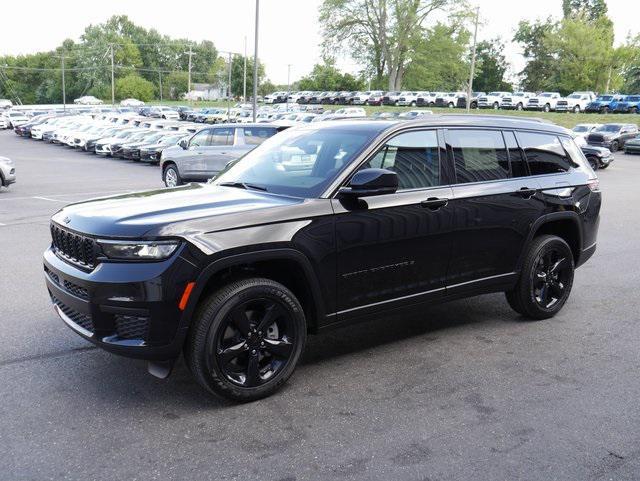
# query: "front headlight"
138, 250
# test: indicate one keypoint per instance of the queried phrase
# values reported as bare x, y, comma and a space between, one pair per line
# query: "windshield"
545, 95
609, 128
604, 97
299, 162
633, 98
580, 128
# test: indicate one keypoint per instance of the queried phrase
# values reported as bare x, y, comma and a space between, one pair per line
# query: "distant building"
205, 92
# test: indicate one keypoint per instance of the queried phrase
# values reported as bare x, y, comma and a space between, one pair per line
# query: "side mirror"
368, 182
184, 143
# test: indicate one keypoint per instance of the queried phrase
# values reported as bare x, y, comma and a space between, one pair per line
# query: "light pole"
473, 62
229, 90
255, 64
113, 81
244, 73
190, 54
288, 84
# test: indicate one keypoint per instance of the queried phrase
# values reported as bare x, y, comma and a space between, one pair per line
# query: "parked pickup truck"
516, 100
546, 101
612, 136
391, 98
428, 99
629, 105
576, 102
602, 103
449, 99
462, 100
492, 100
407, 99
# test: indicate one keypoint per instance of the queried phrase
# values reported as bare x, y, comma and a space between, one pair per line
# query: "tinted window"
413, 156
479, 155
516, 157
301, 162
222, 136
544, 152
200, 139
257, 135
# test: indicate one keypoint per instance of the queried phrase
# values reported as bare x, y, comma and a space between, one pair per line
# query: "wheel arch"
565, 225
287, 266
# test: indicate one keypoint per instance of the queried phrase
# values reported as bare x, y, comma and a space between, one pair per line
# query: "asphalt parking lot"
462, 391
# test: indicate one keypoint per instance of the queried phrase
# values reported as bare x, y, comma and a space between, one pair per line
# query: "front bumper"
8, 177
129, 309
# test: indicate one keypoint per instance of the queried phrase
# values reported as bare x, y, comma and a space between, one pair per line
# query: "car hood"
155, 146
182, 211
634, 141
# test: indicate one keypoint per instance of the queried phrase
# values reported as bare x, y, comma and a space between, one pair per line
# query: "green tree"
542, 65
591, 9
491, 66
237, 75
134, 86
440, 60
381, 33
328, 77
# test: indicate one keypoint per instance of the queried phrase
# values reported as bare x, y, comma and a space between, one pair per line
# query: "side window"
544, 153
479, 155
257, 135
222, 136
516, 157
200, 139
413, 156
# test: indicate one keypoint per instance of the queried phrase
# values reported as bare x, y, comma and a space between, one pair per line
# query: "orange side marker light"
185, 296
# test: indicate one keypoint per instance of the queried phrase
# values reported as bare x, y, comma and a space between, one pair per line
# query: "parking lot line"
50, 200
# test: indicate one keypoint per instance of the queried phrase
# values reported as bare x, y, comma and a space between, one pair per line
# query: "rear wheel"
247, 339
171, 176
605, 110
633, 110
519, 106
614, 146
547, 107
496, 105
545, 280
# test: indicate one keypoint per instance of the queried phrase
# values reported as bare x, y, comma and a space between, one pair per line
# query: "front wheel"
576, 109
545, 280
614, 146
171, 176
519, 107
496, 106
593, 162
247, 339
547, 107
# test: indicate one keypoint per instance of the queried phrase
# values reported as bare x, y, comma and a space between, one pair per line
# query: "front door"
190, 159
218, 153
393, 250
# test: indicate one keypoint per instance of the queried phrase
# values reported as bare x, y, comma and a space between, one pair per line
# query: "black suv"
322, 225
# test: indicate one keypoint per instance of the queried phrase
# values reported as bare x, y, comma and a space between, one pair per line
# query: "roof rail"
506, 117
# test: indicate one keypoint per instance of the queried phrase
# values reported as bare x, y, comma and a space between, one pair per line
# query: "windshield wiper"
243, 185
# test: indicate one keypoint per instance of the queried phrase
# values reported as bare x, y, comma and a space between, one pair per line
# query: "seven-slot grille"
74, 247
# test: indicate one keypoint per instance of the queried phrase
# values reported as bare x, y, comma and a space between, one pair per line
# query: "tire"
576, 109
603, 166
614, 146
547, 107
605, 110
593, 162
519, 106
171, 176
545, 280
228, 321
633, 110
450, 105
474, 105
496, 105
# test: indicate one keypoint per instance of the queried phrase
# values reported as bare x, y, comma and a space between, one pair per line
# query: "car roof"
459, 120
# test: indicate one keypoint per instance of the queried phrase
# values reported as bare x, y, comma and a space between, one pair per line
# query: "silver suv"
7, 172
208, 151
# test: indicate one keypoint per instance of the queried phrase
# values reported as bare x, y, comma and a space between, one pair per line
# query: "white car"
492, 100
449, 99
13, 118
516, 100
88, 100
132, 103
428, 99
344, 113
272, 98
7, 172
580, 132
5, 104
576, 102
546, 101
414, 114
168, 113
407, 98
361, 98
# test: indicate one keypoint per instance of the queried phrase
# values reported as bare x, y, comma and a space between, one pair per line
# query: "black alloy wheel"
545, 280
614, 146
247, 339
593, 161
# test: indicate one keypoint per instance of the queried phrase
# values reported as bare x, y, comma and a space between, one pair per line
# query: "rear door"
218, 153
495, 203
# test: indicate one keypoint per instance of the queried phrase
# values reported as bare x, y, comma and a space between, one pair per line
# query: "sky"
289, 35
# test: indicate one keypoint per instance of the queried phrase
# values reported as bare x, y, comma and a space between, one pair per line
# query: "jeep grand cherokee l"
322, 225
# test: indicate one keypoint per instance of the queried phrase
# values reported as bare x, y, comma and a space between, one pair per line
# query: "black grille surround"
77, 249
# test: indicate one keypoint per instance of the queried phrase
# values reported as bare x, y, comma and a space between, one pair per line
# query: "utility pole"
160, 75
255, 64
473, 62
113, 79
229, 90
190, 53
64, 89
244, 74
288, 84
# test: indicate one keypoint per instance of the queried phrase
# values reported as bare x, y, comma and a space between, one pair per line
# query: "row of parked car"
542, 101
